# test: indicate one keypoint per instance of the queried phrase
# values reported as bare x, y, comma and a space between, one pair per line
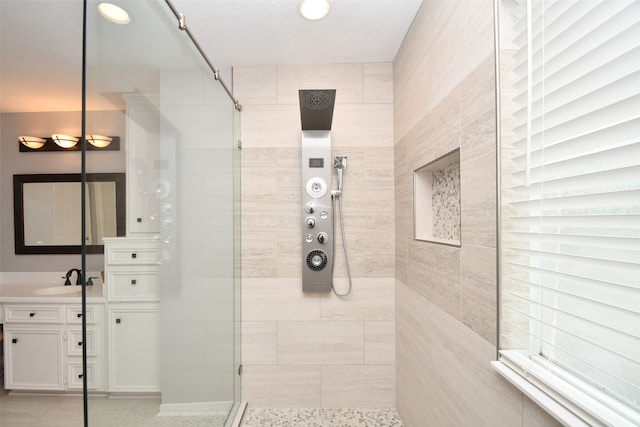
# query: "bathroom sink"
58, 290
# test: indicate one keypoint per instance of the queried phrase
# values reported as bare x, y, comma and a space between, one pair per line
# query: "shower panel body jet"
316, 113
317, 229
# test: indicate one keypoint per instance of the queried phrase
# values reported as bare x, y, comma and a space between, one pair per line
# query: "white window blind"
570, 202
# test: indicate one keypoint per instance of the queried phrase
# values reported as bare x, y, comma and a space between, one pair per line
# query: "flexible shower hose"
344, 245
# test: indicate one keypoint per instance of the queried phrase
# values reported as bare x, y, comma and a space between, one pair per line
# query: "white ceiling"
41, 40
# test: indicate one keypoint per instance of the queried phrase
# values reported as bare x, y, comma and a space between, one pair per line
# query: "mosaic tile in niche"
445, 199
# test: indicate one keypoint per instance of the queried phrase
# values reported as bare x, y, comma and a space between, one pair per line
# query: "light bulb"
314, 9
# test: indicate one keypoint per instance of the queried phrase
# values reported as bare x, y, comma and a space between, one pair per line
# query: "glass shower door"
170, 339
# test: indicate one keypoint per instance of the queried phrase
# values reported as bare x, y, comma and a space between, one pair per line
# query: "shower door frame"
237, 407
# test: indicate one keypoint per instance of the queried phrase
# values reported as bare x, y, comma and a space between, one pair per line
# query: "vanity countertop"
40, 293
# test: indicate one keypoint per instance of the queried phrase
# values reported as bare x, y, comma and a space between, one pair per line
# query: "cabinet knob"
80, 376
138, 219
32, 314
80, 343
134, 255
118, 320
133, 281
14, 340
79, 315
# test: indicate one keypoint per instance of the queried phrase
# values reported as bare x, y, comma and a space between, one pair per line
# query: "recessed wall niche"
436, 200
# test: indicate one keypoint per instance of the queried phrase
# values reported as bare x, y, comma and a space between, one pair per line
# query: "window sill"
555, 409
566, 403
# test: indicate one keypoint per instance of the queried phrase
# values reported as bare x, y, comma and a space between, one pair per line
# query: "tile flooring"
59, 411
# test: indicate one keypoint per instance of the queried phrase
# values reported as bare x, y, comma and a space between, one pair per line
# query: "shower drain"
316, 260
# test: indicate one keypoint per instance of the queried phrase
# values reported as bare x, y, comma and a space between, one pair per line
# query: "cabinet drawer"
74, 314
133, 286
32, 314
132, 256
75, 379
74, 343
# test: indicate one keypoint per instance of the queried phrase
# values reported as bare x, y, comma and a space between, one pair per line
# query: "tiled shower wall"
444, 98
317, 350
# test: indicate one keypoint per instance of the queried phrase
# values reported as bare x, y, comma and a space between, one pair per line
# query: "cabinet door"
143, 168
134, 363
33, 359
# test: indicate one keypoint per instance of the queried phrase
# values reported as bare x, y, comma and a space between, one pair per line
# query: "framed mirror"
48, 214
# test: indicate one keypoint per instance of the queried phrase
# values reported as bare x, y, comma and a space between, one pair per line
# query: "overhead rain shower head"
316, 108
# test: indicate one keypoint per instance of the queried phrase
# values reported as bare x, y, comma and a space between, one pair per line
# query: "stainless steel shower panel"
317, 227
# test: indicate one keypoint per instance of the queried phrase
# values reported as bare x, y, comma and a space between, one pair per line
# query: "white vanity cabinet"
134, 348
133, 292
143, 166
33, 347
43, 346
94, 345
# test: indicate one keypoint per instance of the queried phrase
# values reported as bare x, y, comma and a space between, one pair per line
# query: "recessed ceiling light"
114, 13
314, 9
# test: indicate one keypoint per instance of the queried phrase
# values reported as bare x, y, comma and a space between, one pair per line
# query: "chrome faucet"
67, 282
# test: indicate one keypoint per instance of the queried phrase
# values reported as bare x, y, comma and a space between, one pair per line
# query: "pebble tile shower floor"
320, 417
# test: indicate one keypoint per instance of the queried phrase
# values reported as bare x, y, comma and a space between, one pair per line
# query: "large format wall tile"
259, 343
255, 84
410, 100
449, 368
444, 98
478, 271
286, 330
379, 342
362, 125
478, 206
535, 416
287, 386
278, 300
370, 299
378, 83
270, 125
358, 386
303, 343
434, 272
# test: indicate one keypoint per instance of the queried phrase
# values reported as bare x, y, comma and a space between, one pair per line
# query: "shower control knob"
322, 237
309, 207
311, 222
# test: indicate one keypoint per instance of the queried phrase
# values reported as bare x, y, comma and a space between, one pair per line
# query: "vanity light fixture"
113, 13
99, 141
64, 141
314, 10
32, 142
61, 142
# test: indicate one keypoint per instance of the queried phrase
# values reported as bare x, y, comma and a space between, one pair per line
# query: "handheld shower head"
340, 163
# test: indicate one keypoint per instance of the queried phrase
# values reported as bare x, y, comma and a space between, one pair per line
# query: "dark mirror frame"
18, 210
